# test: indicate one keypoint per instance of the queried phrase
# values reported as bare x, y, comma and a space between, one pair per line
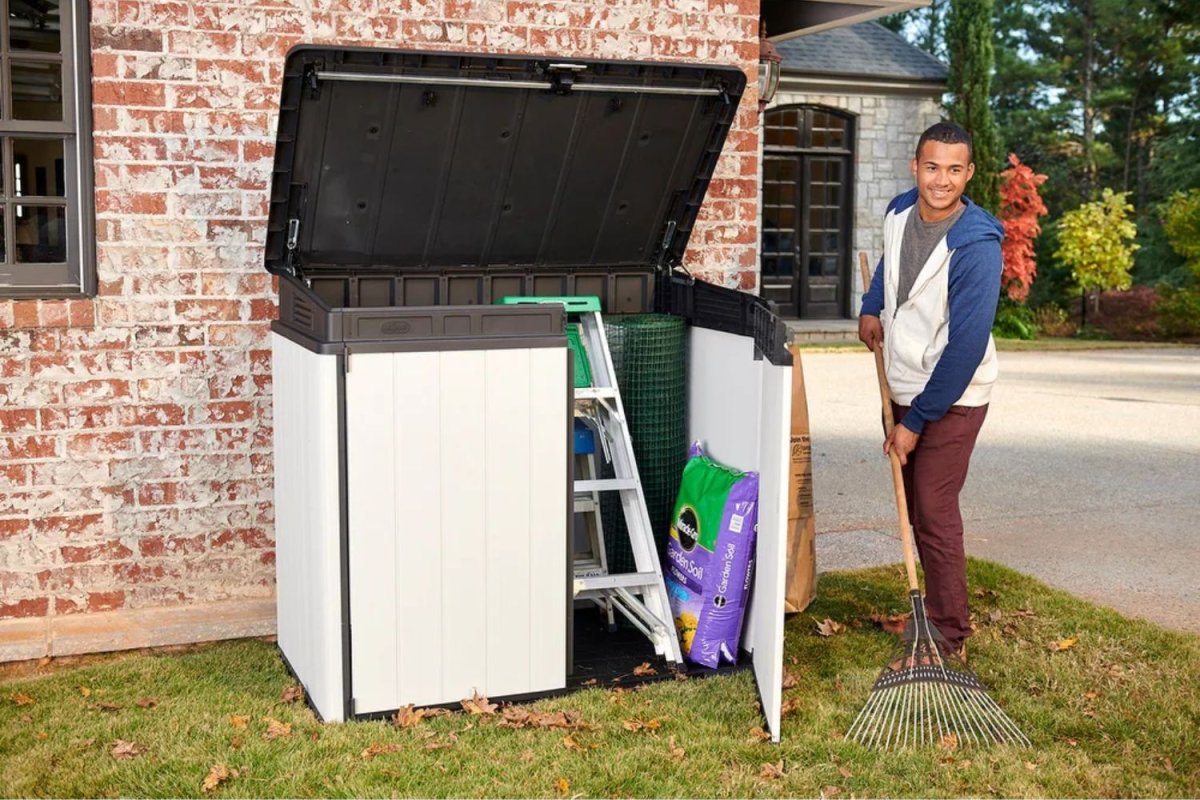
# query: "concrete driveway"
1086, 474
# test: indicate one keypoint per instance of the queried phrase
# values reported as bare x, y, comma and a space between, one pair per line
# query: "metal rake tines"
926, 695
927, 706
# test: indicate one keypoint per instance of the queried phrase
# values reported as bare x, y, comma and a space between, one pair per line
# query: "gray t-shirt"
920, 237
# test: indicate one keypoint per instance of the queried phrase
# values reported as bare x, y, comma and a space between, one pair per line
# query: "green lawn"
1114, 715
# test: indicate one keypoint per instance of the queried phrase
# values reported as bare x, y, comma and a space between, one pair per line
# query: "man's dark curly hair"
947, 133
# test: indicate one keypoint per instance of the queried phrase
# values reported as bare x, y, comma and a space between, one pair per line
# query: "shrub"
1020, 207
1013, 321
1179, 312
1128, 315
1052, 320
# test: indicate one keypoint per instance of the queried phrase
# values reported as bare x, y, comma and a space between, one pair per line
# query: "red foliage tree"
1020, 207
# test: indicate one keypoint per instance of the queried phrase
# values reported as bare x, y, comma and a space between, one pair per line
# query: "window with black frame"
46, 240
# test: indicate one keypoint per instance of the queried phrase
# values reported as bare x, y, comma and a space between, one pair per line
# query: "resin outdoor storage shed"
423, 460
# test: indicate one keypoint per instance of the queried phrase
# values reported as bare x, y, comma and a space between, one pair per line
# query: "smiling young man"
930, 307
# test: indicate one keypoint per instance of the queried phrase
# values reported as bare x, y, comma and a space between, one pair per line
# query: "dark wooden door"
807, 199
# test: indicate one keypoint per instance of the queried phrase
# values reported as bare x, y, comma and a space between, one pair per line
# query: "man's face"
941, 171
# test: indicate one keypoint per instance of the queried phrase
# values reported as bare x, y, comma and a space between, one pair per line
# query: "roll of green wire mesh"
649, 353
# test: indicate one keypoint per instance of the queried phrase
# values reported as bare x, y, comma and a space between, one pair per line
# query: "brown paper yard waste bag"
802, 541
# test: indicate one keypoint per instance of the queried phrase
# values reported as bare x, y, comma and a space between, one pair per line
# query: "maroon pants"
933, 479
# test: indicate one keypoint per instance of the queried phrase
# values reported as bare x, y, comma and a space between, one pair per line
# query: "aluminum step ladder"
641, 596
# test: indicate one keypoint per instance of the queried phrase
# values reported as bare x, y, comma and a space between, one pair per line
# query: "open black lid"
401, 162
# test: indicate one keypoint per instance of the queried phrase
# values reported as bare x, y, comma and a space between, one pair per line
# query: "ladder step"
584, 504
608, 485
595, 392
628, 580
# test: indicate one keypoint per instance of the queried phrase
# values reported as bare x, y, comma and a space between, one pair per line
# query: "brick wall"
135, 428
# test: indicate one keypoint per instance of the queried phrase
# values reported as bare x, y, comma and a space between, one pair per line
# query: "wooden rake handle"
910, 561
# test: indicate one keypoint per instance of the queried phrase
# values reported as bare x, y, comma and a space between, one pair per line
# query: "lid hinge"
668, 236
293, 237
723, 88
312, 80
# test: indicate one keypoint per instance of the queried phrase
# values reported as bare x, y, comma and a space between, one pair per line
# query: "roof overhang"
787, 19
810, 83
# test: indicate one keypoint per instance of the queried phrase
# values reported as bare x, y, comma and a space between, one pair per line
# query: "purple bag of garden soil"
710, 557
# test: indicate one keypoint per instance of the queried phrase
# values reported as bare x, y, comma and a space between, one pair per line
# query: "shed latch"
668, 236
562, 76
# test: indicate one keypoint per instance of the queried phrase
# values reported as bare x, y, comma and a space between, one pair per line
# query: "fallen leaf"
42, 735
147, 702
949, 742
478, 704
790, 681
1168, 766
216, 776
25, 718
680, 675
375, 749
1090, 713
831, 791
84, 745
1063, 644
1091, 695
891, 623
771, 771
758, 733
828, 627
1024, 612
21, 699
562, 786
236, 742
571, 744
995, 616
981, 592
123, 750
85, 691
277, 729
291, 694
644, 669
527, 756
845, 773
407, 717
44, 661
107, 707
1029, 765
514, 717
677, 752
238, 721
1070, 741
589, 682
434, 745
966, 762
789, 706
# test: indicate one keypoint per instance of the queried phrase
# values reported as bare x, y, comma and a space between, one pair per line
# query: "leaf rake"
925, 695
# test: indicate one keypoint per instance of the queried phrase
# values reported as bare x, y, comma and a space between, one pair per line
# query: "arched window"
808, 194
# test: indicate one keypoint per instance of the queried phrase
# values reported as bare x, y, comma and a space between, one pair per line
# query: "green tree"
1181, 223
969, 36
1096, 242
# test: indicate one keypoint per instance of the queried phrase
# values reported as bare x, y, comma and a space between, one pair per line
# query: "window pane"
785, 265
41, 234
37, 91
34, 25
38, 168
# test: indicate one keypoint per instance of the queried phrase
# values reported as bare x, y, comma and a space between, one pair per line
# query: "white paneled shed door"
457, 491
740, 408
